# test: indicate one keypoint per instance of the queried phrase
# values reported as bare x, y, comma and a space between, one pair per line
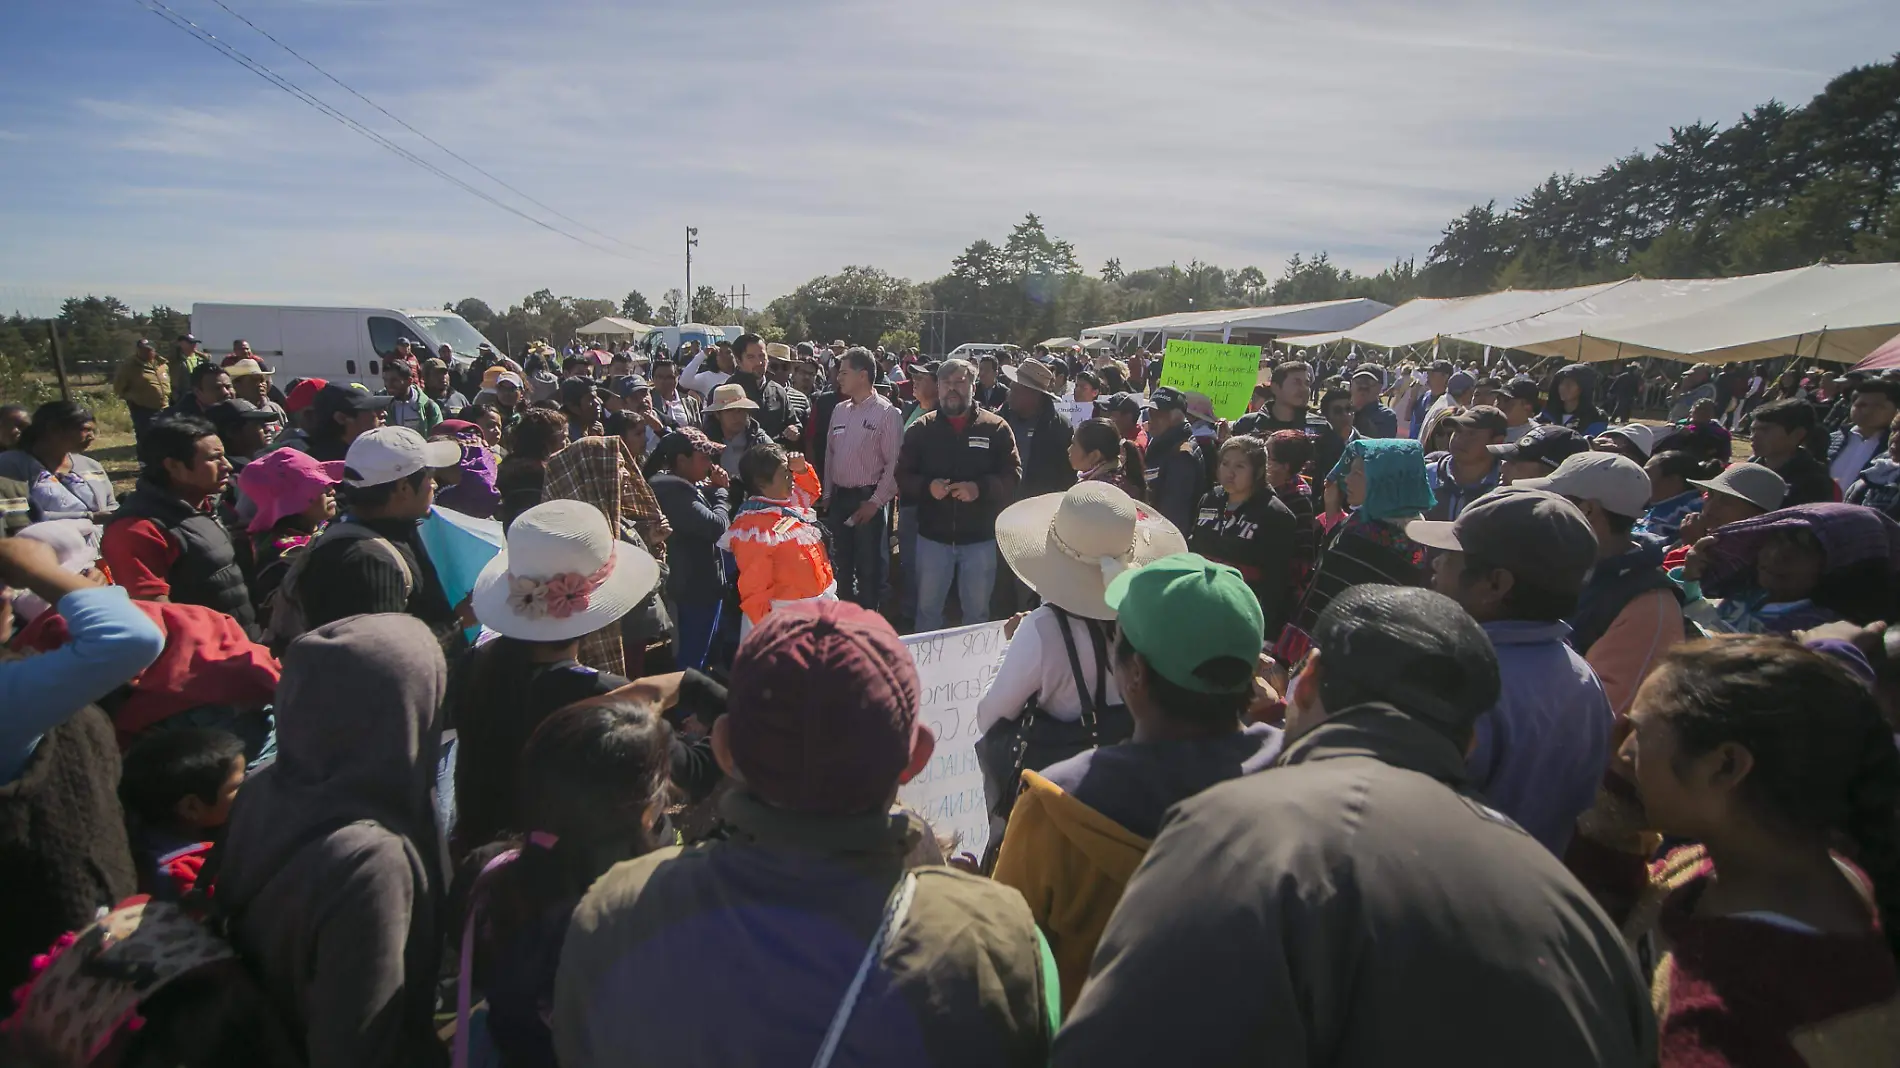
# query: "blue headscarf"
1395, 476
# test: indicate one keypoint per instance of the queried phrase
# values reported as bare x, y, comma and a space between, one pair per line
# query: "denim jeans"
973, 567
696, 625
859, 553
907, 562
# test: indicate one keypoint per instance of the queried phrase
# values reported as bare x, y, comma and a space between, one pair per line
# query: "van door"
317, 343
384, 332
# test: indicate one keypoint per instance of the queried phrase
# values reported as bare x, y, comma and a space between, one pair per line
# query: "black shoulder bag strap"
1091, 702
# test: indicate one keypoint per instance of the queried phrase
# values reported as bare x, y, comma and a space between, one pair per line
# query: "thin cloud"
800, 138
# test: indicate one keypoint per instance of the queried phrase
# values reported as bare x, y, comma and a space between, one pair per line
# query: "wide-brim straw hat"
729, 397
1069, 546
561, 576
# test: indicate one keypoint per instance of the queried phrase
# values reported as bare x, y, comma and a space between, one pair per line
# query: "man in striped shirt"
862, 440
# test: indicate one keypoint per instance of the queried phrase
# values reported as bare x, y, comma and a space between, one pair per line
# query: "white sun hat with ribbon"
562, 575
1069, 546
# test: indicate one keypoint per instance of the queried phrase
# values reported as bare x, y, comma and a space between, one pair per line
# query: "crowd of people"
1432, 714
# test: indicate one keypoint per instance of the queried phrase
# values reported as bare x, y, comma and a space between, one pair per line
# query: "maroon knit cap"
822, 709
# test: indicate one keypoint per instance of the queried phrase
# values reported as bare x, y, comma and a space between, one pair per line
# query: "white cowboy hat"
1068, 546
562, 575
729, 397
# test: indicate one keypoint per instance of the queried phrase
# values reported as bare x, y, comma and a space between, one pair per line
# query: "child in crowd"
1288, 453
592, 793
177, 788
775, 538
295, 496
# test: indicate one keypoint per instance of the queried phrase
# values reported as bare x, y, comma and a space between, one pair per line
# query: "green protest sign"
1226, 373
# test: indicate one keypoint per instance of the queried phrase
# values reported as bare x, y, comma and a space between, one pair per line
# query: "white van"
972, 351
339, 344
670, 338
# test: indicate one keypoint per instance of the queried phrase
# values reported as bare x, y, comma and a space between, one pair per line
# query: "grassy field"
113, 446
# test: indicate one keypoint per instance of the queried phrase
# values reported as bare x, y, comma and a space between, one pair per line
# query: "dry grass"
113, 447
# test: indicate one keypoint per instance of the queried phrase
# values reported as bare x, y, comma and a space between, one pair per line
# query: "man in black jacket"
1177, 473
372, 558
1360, 904
959, 464
1292, 392
775, 412
1042, 441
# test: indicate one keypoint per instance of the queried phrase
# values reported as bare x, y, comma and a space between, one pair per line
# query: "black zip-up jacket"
984, 452
775, 405
1259, 537
1177, 476
1326, 445
1044, 451
1808, 479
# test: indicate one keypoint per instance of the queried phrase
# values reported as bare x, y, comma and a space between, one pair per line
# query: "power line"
157, 7
398, 121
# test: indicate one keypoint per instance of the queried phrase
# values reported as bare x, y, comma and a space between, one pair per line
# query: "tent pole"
1820, 339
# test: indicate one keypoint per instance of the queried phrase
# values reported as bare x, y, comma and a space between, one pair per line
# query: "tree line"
1780, 187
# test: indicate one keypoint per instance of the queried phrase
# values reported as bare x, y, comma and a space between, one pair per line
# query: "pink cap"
284, 482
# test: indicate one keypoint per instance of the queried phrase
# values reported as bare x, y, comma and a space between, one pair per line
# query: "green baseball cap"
1182, 611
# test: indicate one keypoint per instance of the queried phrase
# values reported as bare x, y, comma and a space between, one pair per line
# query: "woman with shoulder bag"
1053, 695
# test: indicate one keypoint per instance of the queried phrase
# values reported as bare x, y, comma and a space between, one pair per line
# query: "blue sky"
803, 136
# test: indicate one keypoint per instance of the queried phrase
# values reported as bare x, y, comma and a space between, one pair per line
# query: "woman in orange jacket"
775, 538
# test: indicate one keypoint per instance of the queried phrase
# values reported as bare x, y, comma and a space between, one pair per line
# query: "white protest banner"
954, 669
1075, 411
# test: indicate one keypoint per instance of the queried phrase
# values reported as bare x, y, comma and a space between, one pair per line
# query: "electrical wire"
158, 7
451, 153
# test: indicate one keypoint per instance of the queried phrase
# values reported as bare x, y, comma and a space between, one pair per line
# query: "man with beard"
959, 464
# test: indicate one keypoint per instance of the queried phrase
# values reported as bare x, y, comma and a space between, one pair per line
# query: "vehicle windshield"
453, 331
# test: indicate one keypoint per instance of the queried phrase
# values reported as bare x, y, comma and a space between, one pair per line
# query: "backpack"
1034, 740
283, 614
153, 982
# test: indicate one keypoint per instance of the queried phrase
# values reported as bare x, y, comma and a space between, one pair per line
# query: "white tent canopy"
614, 327
1829, 312
1223, 323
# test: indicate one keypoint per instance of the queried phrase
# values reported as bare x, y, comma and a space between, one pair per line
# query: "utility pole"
742, 297
686, 310
59, 360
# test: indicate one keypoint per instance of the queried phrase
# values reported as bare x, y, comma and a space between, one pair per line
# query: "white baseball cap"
1612, 480
1641, 435
387, 453
1751, 482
